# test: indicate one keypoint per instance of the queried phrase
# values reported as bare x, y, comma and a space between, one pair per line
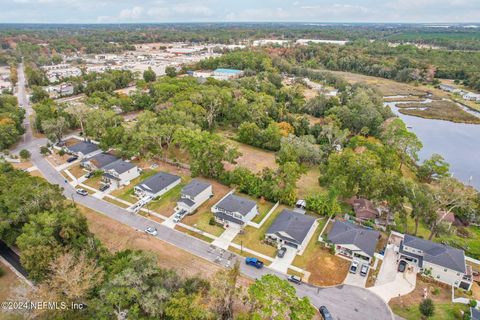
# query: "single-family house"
353, 241
366, 210
292, 229
234, 210
193, 195
120, 173
442, 262
83, 149
471, 96
98, 161
156, 185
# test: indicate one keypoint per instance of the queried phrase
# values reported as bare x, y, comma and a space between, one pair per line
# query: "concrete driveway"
355, 279
226, 237
282, 264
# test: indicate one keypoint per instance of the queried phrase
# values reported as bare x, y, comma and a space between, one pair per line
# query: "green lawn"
311, 249
444, 311
94, 182
252, 238
166, 202
200, 220
263, 208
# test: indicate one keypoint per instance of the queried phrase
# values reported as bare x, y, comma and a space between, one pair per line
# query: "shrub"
44, 150
436, 291
212, 221
473, 303
427, 308
61, 152
25, 154
2, 272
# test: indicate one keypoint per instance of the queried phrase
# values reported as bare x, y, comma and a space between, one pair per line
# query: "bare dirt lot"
253, 158
8, 282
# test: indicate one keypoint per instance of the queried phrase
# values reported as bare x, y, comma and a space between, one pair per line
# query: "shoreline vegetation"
438, 109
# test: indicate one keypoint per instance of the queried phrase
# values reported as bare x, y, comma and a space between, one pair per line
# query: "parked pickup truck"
254, 262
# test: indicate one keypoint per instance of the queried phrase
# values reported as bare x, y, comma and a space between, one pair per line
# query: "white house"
233, 210
471, 96
120, 173
292, 229
353, 241
442, 262
156, 185
194, 195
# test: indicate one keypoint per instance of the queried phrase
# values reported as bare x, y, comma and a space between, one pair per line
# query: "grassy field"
308, 183
252, 238
253, 158
326, 269
438, 109
200, 220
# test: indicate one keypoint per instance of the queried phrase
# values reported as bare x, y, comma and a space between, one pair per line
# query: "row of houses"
440, 261
467, 95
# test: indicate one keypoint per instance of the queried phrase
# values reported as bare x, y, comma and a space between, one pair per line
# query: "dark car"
325, 313
254, 262
295, 279
281, 252
89, 175
402, 266
72, 158
104, 187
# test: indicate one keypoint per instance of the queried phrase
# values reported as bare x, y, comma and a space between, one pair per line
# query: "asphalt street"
344, 302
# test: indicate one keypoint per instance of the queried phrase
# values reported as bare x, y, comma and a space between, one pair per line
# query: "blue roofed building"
227, 74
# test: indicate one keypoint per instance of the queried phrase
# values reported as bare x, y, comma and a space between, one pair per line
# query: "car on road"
281, 252
354, 267
254, 262
402, 266
325, 313
295, 279
82, 192
71, 159
104, 187
364, 270
151, 231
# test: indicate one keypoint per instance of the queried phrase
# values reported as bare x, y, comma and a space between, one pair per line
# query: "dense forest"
11, 119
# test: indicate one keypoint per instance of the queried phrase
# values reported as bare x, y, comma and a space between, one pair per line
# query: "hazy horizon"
218, 11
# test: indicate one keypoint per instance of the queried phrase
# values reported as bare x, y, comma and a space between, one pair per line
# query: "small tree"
24, 154
427, 308
149, 75
44, 150
171, 71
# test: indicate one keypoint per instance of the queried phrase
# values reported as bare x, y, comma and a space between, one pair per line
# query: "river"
458, 143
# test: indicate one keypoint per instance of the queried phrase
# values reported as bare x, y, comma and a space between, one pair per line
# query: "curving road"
344, 302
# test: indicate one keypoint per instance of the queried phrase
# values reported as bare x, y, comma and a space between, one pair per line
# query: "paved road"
345, 302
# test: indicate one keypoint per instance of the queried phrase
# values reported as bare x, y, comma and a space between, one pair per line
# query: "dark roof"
188, 202
364, 209
83, 147
292, 225
474, 314
101, 160
119, 166
224, 216
348, 233
158, 182
413, 255
195, 187
437, 253
110, 176
233, 203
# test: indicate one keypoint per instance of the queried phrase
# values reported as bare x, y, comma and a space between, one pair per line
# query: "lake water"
458, 143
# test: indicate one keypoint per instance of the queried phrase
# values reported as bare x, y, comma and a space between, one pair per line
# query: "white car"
364, 270
82, 192
354, 267
151, 231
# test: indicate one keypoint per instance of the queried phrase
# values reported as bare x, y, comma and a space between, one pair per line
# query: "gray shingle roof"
195, 187
294, 224
101, 160
83, 147
233, 203
348, 233
224, 216
437, 253
119, 166
157, 182
188, 202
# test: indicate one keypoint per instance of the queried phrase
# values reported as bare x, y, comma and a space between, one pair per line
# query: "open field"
407, 306
438, 109
326, 269
252, 238
253, 158
385, 86
116, 236
308, 183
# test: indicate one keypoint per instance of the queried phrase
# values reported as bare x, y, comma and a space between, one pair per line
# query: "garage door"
291, 244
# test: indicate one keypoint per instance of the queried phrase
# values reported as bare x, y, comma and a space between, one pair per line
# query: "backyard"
325, 268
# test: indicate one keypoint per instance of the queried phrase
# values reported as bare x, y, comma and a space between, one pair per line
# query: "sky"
151, 11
